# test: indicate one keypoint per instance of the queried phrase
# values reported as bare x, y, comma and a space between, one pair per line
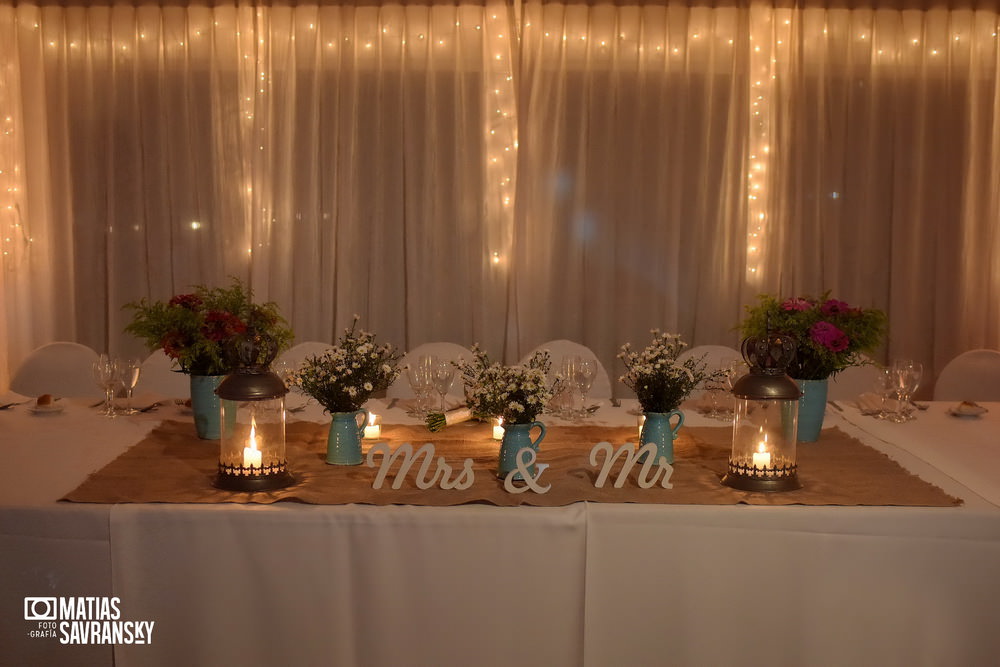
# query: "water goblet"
884, 386
443, 377
583, 380
907, 375
421, 383
106, 376
128, 376
562, 404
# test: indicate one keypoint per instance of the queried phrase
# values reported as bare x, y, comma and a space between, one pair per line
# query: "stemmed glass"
907, 375
721, 385
562, 403
106, 376
583, 379
422, 383
885, 386
128, 376
443, 377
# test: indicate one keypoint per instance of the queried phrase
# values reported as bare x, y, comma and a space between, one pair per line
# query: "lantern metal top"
767, 356
250, 355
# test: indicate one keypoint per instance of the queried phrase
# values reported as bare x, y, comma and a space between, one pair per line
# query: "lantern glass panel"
764, 435
253, 435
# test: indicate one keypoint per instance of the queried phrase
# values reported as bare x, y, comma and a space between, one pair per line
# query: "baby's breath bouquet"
659, 381
343, 378
516, 393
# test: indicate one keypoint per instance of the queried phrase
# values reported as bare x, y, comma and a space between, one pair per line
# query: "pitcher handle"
541, 436
680, 422
363, 414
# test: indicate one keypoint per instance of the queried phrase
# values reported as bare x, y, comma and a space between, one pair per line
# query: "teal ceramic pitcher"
515, 438
658, 429
343, 444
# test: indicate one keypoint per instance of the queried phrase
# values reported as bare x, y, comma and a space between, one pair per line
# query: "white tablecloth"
588, 584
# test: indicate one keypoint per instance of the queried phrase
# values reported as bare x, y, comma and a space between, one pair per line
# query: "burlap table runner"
172, 465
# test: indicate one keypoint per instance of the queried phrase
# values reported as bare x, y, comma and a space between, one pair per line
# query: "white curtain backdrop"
501, 172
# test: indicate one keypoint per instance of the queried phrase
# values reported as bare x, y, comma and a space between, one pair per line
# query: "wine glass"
907, 374
884, 386
422, 384
128, 376
443, 376
583, 380
106, 376
563, 402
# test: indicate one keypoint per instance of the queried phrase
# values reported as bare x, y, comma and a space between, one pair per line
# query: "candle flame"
253, 433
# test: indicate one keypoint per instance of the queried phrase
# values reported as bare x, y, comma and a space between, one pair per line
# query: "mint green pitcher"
343, 444
515, 438
658, 429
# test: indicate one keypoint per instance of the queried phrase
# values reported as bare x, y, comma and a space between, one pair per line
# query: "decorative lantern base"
228, 481
771, 479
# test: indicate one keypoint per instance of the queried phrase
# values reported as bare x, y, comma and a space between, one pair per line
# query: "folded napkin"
870, 404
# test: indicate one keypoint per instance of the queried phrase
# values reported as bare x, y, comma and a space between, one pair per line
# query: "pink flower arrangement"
830, 334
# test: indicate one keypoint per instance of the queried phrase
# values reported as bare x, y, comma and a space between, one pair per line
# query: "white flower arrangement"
343, 378
516, 393
659, 381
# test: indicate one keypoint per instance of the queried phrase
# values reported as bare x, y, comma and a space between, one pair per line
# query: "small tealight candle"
761, 458
252, 455
498, 428
373, 429
642, 421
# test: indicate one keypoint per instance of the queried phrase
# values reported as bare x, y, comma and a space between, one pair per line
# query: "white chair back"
601, 388
442, 350
61, 369
159, 375
851, 382
971, 376
716, 357
296, 354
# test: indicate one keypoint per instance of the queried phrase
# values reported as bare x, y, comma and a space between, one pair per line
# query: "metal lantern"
252, 449
765, 424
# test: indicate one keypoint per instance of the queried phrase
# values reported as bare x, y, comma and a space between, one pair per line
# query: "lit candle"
498, 429
762, 457
373, 430
252, 455
642, 421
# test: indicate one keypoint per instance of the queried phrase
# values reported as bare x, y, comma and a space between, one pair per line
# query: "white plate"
51, 409
967, 415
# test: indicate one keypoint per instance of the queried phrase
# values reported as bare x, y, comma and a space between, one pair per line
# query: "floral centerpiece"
830, 334
517, 394
345, 377
659, 380
193, 329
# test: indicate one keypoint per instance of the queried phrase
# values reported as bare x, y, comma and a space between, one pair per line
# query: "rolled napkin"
438, 420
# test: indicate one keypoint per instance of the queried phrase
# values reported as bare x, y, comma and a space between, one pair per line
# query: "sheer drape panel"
501, 172
883, 168
377, 197
630, 197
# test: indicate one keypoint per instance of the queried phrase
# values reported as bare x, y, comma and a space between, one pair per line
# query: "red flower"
189, 301
834, 307
220, 325
173, 345
796, 304
829, 336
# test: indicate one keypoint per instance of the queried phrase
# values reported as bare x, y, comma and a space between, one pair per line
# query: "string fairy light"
490, 40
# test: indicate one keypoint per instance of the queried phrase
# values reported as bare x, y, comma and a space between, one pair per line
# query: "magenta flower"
829, 336
796, 304
834, 307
